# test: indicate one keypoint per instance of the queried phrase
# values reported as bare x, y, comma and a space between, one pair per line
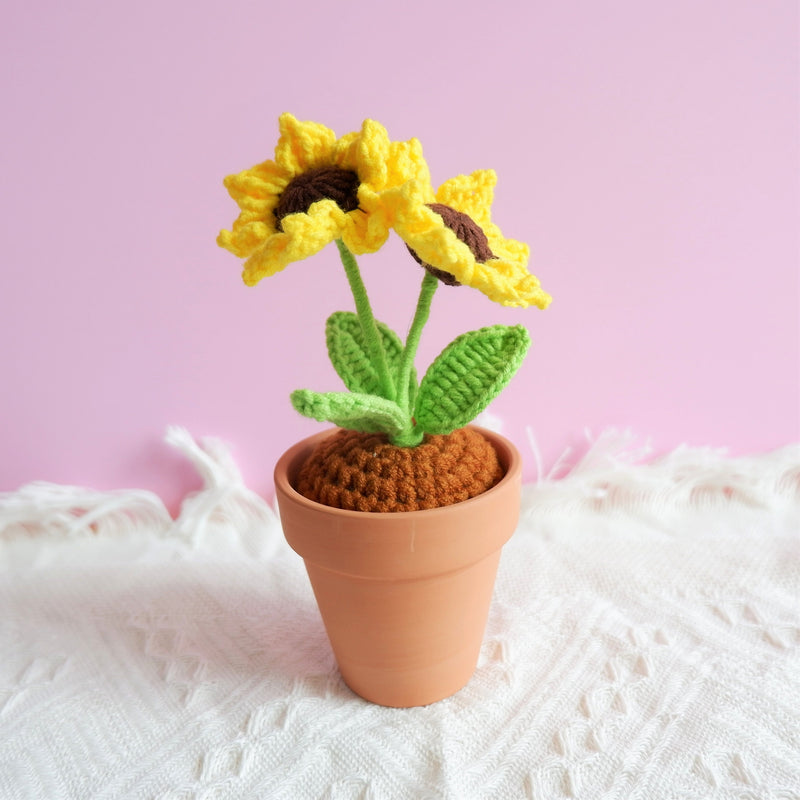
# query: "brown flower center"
467, 230
321, 183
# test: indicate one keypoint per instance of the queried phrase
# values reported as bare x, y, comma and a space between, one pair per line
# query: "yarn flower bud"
451, 233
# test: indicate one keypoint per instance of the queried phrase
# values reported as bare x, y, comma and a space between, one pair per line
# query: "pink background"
647, 151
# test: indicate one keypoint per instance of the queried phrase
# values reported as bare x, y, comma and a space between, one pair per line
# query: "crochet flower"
317, 189
452, 235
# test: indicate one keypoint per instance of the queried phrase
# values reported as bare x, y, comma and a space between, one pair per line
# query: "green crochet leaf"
468, 374
349, 354
354, 411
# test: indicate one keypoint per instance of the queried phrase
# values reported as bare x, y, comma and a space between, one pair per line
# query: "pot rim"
404, 544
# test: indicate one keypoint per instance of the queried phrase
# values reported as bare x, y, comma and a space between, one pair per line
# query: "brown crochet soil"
363, 472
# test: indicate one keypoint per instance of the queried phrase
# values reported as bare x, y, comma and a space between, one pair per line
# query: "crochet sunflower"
353, 190
316, 190
452, 235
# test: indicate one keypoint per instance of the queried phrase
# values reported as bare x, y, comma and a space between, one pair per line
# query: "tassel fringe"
614, 473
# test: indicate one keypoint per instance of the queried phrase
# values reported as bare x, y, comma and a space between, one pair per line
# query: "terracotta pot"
404, 596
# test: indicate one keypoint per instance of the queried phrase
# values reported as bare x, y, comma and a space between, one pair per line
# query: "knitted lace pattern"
363, 472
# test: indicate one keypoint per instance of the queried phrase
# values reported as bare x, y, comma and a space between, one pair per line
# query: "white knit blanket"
644, 642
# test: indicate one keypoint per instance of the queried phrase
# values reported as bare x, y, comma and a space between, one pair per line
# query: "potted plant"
400, 511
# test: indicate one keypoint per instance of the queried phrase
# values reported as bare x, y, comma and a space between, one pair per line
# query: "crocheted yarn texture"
363, 472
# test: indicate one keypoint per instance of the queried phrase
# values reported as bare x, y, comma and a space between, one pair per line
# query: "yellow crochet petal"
472, 194
373, 150
310, 232
303, 235
269, 172
258, 181
345, 152
271, 258
256, 192
255, 209
504, 281
422, 229
257, 206
508, 283
303, 145
510, 249
434, 243
245, 239
381, 163
407, 163
366, 232
369, 226
404, 204
252, 227
386, 168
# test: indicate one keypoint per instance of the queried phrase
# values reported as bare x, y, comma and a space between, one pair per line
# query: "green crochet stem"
378, 370
413, 435
368, 325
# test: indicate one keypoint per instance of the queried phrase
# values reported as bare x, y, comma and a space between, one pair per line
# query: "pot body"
404, 596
